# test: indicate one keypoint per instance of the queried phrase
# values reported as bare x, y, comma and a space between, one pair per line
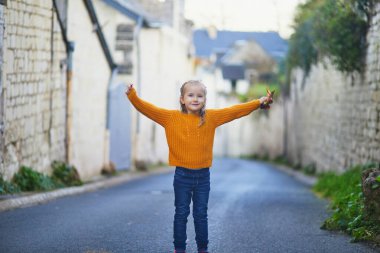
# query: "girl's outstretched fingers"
129, 88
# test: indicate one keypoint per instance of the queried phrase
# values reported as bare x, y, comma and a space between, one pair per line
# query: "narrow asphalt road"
253, 208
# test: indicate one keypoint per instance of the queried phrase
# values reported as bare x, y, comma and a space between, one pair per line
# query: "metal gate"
119, 124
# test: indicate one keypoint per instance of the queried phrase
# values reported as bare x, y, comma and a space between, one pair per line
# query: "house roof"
205, 45
135, 11
245, 54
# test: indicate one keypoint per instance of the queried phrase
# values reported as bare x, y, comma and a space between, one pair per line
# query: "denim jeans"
191, 185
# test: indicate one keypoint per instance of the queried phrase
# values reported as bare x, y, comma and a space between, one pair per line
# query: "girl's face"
194, 98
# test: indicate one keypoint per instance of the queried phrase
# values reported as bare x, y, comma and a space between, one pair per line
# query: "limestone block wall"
334, 118
33, 87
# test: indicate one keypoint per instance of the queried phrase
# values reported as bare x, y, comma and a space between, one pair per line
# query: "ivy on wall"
333, 28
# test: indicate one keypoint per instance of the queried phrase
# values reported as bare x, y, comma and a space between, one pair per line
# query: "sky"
244, 15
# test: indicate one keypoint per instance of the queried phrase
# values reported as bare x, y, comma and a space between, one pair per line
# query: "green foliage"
347, 202
256, 157
376, 184
302, 51
333, 28
65, 174
281, 160
340, 31
29, 180
309, 169
258, 90
7, 187
332, 185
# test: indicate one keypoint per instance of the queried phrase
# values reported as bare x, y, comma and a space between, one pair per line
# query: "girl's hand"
129, 88
264, 102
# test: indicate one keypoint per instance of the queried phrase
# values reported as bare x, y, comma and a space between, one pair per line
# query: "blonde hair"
202, 112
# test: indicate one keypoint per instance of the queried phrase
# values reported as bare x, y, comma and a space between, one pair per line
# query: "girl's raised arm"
157, 114
224, 115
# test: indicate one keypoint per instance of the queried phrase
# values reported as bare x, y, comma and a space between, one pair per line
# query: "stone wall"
334, 118
33, 87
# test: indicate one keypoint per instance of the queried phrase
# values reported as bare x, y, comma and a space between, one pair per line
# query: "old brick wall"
334, 118
33, 87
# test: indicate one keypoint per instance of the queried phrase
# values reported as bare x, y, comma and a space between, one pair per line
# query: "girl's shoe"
179, 251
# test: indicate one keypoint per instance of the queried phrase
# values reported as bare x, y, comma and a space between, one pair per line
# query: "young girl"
190, 136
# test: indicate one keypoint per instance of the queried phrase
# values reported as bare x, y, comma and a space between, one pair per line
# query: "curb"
39, 198
305, 179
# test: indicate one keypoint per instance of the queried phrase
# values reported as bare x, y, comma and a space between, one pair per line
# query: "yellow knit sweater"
190, 145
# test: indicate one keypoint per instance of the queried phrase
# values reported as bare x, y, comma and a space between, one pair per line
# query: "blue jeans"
191, 185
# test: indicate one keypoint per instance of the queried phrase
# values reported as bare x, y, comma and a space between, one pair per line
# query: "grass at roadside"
347, 203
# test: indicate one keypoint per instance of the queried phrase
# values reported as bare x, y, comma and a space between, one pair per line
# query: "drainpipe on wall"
69, 65
106, 155
113, 67
114, 73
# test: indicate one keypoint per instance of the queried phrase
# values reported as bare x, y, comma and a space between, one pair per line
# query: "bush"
282, 160
8, 187
310, 169
29, 180
64, 174
340, 31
